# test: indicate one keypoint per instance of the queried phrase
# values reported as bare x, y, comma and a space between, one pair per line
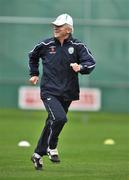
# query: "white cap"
63, 19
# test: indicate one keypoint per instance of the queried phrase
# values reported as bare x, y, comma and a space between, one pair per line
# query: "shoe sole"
56, 162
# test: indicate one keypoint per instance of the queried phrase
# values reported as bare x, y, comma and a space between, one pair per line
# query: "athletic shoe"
38, 163
53, 155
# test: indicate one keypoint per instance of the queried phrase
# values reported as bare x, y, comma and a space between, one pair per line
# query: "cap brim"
58, 23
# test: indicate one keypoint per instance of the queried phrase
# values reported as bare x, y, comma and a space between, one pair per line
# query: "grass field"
82, 152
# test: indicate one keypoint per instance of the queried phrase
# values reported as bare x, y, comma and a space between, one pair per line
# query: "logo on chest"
52, 49
71, 50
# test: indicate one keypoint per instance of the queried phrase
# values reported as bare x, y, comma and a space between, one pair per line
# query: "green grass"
82, 152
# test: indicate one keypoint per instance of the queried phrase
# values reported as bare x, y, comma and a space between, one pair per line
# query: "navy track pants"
57, 109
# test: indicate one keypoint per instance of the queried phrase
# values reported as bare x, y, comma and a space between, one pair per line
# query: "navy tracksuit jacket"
59, 83
58, 77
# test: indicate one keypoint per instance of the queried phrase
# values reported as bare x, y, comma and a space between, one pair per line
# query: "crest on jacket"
71, 50
52, 49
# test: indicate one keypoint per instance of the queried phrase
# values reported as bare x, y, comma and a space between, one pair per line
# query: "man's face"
61, 31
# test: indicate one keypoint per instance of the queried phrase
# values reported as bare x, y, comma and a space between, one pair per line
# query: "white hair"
71, 27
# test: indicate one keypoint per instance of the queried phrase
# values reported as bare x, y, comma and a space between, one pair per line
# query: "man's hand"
34, 79
76, 67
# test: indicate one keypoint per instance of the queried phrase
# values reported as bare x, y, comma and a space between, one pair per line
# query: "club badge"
52, 49
71, 50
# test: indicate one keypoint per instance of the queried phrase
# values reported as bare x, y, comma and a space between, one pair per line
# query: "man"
63, 57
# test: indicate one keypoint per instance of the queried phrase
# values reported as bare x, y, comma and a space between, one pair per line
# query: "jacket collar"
65, 41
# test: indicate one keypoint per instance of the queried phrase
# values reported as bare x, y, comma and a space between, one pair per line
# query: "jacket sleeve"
86, 59
34, 57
